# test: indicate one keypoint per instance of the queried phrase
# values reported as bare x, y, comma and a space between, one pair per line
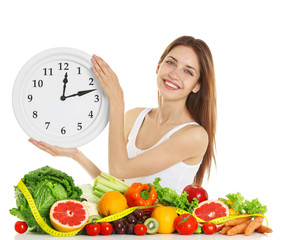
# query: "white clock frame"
24, 75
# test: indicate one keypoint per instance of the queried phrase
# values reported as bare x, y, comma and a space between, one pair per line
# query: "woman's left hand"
108, 80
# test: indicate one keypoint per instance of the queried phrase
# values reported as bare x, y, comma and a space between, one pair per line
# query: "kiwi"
94, 217
152, 225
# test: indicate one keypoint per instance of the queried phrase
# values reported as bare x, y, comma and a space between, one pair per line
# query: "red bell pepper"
139, 194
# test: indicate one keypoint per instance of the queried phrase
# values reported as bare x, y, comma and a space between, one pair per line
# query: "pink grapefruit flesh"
68, 215
211, 209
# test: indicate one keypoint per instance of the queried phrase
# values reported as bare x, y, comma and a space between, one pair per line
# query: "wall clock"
57, 98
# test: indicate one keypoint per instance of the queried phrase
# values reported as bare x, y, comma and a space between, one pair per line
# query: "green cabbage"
46, 185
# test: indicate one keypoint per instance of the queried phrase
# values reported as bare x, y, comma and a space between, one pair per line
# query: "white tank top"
175, 177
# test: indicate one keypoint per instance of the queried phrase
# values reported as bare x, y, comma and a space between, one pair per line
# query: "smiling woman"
174, 141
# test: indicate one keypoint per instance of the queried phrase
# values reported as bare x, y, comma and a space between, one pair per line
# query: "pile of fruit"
113, 207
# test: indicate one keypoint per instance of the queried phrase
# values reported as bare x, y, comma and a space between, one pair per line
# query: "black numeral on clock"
79, 126
63, 131
47, 71
63, 66
47, 124
91, 114
91, 81
35, 114
29, 97
38, 83
78, 70
97, 98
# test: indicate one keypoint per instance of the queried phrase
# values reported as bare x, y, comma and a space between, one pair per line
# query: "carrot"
263, 229
237, 221
225, 230
240, 228
256, 223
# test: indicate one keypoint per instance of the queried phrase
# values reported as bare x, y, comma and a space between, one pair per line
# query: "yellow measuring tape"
110, 218
221, 219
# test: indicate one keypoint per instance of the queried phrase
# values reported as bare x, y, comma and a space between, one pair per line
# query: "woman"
174, 141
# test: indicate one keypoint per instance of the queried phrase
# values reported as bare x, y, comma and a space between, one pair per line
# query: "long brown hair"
203, 104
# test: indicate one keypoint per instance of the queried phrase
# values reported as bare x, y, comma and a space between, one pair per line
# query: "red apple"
196, 191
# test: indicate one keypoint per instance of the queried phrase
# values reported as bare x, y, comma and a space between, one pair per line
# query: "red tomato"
140, 229
209, 228
93, 229
185, 224
21, 227
106, 228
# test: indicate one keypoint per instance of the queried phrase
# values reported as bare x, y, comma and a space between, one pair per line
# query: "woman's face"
178, 74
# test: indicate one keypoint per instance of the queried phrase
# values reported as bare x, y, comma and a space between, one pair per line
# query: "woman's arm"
73, 153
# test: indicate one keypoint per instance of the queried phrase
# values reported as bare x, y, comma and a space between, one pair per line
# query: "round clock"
57, 98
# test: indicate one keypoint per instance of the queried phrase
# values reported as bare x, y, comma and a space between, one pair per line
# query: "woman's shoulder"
195, 134
130, 118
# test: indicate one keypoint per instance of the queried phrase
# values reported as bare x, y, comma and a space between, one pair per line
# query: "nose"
174, 73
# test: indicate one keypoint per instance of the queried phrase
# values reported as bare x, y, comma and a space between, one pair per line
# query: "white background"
243, 37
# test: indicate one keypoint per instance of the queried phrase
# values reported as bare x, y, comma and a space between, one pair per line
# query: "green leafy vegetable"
170, 197
238, 201
46, 185
254, 207
244, 206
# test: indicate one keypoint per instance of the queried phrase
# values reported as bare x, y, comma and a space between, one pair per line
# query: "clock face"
58, 99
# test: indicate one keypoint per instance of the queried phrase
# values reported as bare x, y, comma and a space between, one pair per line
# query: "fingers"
101, 68
44, 146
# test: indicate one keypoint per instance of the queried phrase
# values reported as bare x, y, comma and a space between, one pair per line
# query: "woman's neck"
171, 112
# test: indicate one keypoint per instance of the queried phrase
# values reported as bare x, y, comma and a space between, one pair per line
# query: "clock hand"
80, 93
65, 81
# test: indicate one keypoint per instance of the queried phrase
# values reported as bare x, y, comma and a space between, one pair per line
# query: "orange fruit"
165, 216
68, 215
112, 202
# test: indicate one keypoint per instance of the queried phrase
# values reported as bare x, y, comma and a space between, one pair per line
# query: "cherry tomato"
106, 228
209, 228
140, 229
185, 224
93, 229
21, 227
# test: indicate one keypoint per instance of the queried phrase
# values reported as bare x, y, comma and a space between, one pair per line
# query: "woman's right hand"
54, 150
108, 80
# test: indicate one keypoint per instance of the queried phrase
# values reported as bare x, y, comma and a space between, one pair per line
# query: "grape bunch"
127, 224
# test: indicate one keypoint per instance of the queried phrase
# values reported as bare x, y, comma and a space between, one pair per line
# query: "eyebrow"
186, 65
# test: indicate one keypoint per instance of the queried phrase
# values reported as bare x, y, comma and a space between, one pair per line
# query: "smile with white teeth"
171, 84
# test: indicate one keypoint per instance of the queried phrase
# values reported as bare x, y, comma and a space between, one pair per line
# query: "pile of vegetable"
46, 185
151, 208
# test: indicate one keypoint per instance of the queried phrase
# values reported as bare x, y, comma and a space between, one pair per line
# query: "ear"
157, 69
196, 88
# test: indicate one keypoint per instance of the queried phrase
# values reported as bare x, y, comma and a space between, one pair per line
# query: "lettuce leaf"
244, 206
238, 201
254, 207
170, 197
46, 185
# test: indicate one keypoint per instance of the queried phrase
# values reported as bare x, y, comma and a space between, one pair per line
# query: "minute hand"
80, 93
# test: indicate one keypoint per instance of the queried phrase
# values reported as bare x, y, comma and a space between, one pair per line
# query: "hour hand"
65, 81
80, 93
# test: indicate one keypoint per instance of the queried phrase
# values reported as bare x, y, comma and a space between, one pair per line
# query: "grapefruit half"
68, 215
211, 209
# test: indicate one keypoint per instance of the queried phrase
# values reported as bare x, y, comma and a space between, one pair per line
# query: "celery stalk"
98, 193
110, 185
101, 186
105, 183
